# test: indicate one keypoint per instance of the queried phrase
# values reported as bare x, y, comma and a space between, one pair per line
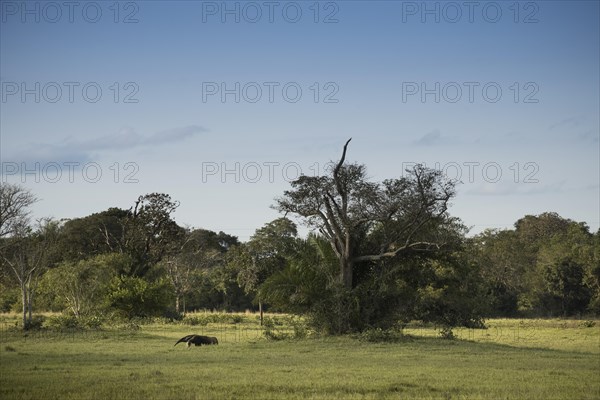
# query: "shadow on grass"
169, 337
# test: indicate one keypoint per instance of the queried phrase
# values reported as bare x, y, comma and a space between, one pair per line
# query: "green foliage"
213, 318
196, 320
366, 223
285, 328
565, 286
69, 322
135, 297
63, 322
35, 323
364, 273
447, 333
548, 265
446, 291
378, 335
272, 333
308, 286
98, 233
266, 253
150, 231
308, 279
9, 297
81, 287
453, 297
588, 324
504, 263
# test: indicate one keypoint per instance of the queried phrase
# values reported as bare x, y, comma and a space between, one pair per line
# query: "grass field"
513, 359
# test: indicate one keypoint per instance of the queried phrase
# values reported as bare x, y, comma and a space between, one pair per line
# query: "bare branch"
14, 203
429, 246
341, 162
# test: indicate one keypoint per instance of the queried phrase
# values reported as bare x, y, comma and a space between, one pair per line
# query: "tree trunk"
24, 301
29, 302
177, 303
260, 310
346, 266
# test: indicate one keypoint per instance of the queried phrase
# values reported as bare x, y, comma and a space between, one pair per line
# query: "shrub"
36, 323
283, 328
274, 334
131, 326
8, 298
63, 322
136, 297
378, 335
300, 328
446, 333
92, 322
196, 320
213, 318
588, 324
237, 319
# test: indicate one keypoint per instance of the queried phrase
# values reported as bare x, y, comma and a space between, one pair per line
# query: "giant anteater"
197, 340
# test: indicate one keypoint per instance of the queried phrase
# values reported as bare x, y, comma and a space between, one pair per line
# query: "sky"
222, 104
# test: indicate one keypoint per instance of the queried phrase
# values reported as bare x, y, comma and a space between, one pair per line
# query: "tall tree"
150, 231
26, 254
15, 202
546, 266
95, 234
265, 253
309, 285
506, 268
347, 209
80, 286
200, 251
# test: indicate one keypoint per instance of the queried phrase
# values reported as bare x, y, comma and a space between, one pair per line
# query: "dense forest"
380, 254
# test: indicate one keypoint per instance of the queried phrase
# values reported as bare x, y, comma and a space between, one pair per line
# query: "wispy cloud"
85, 150
569, 122
590, 137
434, 138
128, 138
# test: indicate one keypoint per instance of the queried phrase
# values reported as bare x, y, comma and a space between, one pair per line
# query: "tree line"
379, 254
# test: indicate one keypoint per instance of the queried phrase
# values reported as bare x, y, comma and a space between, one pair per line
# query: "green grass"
514, 359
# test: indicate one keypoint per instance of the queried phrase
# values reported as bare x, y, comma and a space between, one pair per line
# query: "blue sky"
179, 97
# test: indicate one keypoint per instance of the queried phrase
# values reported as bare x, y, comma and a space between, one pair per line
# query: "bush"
588, 324
446, 333
130, 326
36, 323
237, 319
336, 313
196, 320
283, 328
136, 297
299, 326
63, 322
8, 298
274, 334
378, 335
213, 318
92, 322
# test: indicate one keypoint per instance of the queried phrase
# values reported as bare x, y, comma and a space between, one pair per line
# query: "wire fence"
226, 333
238, 333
